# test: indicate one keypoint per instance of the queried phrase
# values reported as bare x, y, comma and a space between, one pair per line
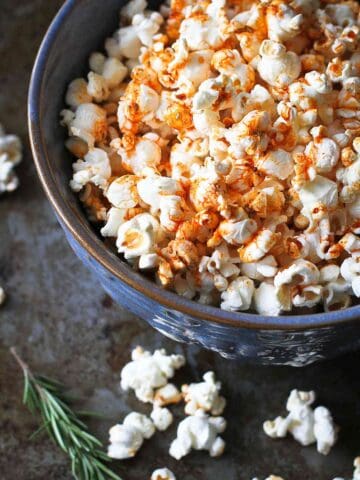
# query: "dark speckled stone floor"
65, 326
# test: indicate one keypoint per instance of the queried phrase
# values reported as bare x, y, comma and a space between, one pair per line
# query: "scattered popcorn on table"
163, 474
148, 372
217, 144
306, 425
356, 475
162, 418
10, 156
204, 396
199, 432
127, 438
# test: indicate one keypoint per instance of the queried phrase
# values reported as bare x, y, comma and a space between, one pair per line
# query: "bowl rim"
113, 264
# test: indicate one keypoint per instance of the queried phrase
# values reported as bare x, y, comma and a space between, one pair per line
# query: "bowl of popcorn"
204, 162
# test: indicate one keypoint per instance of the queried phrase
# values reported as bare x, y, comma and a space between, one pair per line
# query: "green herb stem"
46, 397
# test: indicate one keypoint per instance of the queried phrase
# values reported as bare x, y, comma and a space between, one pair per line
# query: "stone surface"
65, 326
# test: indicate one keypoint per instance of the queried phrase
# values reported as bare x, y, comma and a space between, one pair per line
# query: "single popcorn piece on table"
305, 424
147, 372
356, 475
10, 156
199, 432
204, 396
217, 147
163, 474
127, 438
162, 418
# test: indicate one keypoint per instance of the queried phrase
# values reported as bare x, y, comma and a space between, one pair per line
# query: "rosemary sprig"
46, 397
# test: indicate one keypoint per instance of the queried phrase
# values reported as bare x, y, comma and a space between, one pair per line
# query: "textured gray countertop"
65, 326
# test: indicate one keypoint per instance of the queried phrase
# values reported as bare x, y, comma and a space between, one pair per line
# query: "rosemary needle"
46, 397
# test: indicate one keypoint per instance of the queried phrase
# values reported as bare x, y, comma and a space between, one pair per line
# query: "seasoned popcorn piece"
204, 396
277, 163
277, 66
77, 93
163, 474
148, 372
164, 195
306, 425
259, 246
199, 432
122, 192
205, 28
138, 236
144, 156
283, 22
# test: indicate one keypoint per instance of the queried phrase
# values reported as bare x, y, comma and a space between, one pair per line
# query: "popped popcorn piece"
283, 23
258, 247
298, 285
208, 30
237, 233
114, 218
122, 192
127, 438
167, 395
162, 418
77, 93
321, 190
145, 156
306, 425
94, 168
10, 156
147, 372
266, 300
260, 270
324, 152
199, 432
204, 396
163, 474
277, 163
89, 123
163, 194
277, 66
238, 295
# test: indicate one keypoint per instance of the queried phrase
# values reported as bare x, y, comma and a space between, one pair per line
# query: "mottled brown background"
65, 326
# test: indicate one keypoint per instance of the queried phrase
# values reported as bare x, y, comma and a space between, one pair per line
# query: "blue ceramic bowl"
80, 28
